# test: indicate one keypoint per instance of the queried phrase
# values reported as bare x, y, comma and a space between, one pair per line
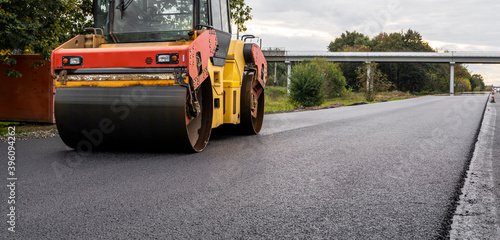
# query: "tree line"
407, 77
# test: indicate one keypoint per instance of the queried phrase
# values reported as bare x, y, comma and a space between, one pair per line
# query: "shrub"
307, 86
335, 80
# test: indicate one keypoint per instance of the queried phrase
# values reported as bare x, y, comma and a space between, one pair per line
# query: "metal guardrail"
281, 55
451, 58
274, 52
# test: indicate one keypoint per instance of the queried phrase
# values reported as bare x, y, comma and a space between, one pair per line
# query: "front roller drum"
133, 118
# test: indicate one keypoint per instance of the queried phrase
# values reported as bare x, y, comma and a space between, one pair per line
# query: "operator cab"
135, 21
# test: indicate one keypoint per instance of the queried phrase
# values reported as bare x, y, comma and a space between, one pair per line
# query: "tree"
350, 39
462, 84
462, 76
240, 13
437, 79
281, 73
385, 42
477, 82
37, 27
413, 77
411, 41
378, 82
351, 42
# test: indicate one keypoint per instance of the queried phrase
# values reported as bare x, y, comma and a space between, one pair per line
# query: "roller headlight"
163, 58
167, 58
72, 61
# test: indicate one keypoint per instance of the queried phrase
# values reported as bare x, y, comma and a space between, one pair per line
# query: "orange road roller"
157, 74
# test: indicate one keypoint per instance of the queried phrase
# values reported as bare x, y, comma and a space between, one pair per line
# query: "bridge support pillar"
452, 79
275, 72
369, 80
289, 72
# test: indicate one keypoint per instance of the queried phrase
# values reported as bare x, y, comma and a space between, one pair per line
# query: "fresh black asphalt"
380, 171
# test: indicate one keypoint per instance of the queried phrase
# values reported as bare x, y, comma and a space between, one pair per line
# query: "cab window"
224, 16
216, 16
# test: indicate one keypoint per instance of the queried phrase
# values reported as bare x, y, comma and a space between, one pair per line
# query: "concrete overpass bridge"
451, 58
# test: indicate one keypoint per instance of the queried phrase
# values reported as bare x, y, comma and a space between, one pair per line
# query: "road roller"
157, 74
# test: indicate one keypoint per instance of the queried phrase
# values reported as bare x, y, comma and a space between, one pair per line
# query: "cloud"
460, 25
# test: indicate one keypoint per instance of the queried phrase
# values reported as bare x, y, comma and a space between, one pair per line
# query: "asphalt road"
380, 171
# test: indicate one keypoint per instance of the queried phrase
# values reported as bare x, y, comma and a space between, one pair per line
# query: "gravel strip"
32, 135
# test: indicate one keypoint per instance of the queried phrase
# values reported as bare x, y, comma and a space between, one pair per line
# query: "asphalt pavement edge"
476, 215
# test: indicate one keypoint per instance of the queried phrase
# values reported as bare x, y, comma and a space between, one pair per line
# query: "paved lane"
388, 170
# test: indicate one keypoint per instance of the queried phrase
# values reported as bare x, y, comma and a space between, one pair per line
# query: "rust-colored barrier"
29, 98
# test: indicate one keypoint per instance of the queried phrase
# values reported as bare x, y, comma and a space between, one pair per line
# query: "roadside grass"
4, 126
346, 99
8, 124
277, 99
396, 99
393, 96
24, 127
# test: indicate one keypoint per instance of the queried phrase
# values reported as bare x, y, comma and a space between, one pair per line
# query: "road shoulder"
476, 216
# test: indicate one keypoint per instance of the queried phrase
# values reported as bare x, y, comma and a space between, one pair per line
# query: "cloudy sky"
458, 25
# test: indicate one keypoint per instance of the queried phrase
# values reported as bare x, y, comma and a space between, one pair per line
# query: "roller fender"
253, 55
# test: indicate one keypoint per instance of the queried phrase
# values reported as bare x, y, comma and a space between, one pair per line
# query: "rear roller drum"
252, 108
